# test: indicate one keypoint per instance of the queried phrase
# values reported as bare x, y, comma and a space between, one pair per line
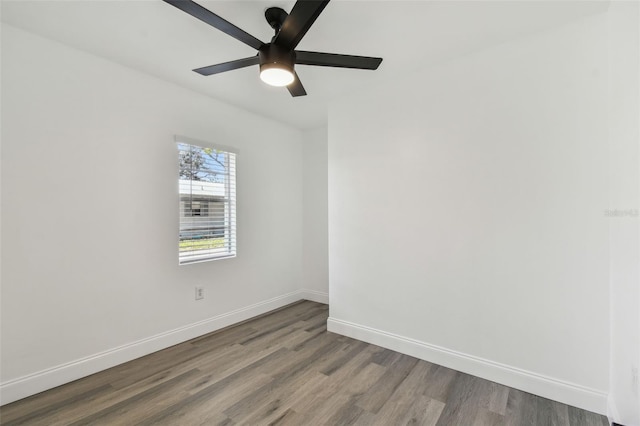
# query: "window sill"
205, 258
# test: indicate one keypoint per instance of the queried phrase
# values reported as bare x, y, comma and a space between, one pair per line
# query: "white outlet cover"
199, 293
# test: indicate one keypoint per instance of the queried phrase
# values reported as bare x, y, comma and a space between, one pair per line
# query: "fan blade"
336, 60
228, 66
296, 88
205, 15
302, 16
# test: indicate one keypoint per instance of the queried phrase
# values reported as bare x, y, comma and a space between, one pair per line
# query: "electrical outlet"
199, 293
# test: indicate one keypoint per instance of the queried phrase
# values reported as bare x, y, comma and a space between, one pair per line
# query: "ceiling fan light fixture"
276, 65
275, 74
278, 57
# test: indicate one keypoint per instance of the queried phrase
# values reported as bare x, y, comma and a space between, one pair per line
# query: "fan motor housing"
272, 55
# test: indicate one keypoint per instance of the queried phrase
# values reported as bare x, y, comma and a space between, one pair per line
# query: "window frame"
230, 203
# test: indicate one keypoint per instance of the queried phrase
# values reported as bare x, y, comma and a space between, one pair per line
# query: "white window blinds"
207, 186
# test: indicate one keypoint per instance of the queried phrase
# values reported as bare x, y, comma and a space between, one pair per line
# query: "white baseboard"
547, 387
31, 384
612, 410
315, 296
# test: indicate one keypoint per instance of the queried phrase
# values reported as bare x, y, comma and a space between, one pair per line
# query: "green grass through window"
201, 244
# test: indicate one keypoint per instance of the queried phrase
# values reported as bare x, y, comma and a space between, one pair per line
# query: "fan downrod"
275, 17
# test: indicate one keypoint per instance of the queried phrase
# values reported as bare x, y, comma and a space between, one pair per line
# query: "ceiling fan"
278, 57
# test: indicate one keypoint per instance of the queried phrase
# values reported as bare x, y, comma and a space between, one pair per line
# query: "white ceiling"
158, 39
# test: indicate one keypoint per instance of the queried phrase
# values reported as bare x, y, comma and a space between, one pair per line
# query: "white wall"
315, 255
90, 270
466, 214
624, 184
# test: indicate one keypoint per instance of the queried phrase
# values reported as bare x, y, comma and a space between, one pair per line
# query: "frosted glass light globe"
276, 76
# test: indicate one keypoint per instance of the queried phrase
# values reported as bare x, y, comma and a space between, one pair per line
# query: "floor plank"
284, 368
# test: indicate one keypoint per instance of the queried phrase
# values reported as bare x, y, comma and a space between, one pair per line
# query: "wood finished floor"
284, 368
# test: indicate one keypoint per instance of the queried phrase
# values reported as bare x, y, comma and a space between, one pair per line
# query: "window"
207, 186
